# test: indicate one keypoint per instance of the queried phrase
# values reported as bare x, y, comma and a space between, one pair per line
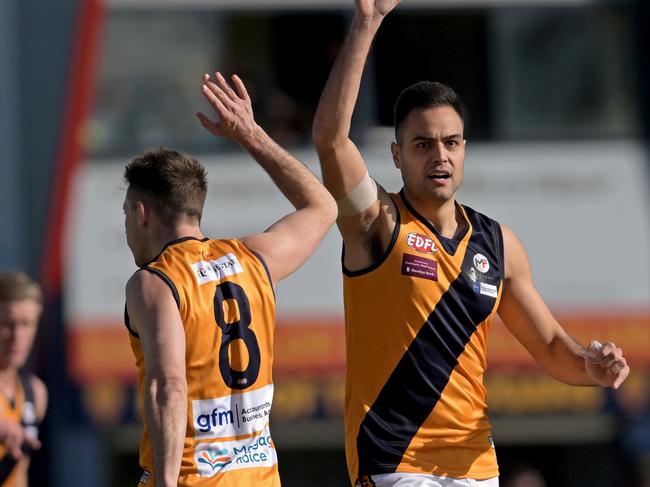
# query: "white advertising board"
580, 209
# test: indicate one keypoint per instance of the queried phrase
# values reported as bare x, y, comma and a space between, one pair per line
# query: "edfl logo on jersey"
421, 243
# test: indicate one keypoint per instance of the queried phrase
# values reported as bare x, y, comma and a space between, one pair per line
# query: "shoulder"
40, 396
136, 283
476, 217
146, 294
145, 283
515, 255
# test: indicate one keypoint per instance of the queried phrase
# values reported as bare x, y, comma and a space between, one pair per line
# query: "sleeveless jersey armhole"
263, 262
172, 287
383, 258
498, 234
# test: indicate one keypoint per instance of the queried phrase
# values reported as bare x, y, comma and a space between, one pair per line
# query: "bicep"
521, 308
343, 167
344, 170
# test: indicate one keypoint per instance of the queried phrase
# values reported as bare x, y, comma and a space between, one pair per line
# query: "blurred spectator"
23, 397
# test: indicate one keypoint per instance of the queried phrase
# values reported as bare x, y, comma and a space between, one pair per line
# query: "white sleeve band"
359, 199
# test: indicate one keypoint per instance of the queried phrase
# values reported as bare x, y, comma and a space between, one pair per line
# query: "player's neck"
446, 217
166, 235
8, 377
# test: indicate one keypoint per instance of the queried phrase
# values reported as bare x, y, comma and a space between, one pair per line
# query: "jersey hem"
478, 475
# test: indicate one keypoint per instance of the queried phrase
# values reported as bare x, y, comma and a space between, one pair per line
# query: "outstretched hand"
375, 8
232, 105
13, 437
605, 364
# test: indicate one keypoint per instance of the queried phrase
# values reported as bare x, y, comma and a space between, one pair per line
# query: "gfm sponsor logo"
216, 418
232, 415
421, 243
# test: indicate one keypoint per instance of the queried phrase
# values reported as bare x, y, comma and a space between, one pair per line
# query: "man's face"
430, 153
18, 323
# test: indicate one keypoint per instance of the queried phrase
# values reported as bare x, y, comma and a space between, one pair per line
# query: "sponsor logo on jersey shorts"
215, 270
256, 451
232, 415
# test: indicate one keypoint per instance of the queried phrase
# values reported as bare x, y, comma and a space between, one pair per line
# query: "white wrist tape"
359, 199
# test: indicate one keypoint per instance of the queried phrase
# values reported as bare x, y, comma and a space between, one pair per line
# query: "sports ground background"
557, 128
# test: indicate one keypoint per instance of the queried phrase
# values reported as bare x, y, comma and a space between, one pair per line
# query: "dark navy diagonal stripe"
413, 389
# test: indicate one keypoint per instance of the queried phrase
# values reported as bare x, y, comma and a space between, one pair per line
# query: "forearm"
334, 114
565, 361
293, 179
166, 417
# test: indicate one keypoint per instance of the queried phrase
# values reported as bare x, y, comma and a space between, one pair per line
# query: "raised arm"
528, 318
344, 170
290, 241
154, 315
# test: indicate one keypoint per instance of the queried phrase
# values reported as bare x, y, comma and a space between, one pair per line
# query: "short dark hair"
425, 94
173, 183
17, 286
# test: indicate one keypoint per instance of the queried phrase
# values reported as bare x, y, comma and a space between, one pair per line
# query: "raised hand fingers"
225, 87
236, 119
212, 93
215, 94
241, 89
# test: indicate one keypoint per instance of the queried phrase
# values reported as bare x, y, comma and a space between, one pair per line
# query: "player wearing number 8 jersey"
201, 312
219, 286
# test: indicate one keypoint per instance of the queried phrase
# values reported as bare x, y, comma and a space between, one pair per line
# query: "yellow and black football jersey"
227, 306
416, 329
21, 410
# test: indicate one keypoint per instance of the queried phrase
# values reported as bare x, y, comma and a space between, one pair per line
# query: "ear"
394, 149
143, 213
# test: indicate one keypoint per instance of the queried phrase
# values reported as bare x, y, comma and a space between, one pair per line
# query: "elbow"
166, 388
323, 212
320, 138
331, 211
